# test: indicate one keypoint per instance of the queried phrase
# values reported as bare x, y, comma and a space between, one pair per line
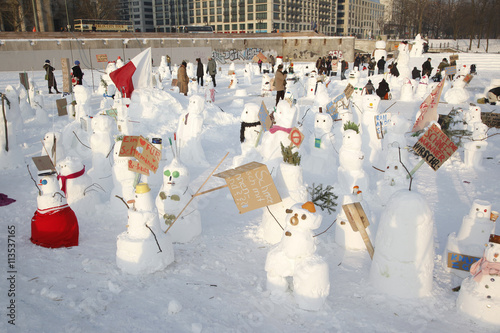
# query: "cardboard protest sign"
296, 137
101, 57
381, 123
451, 70
348, 90
251, 186
265, 118
434, 147
331, 109
43, 163
461, 261
146, 154
135, 166
453, 57
62, 106
491, 119
66, 72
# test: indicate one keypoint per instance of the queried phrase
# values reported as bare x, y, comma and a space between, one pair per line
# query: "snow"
217, 282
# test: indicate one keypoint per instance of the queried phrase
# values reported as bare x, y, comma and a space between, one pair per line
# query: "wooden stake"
5, 124
357, 218
419, 164
194, 195
207, 191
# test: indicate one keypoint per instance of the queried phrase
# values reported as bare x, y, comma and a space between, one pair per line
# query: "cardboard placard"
43, 163
66, 73
381, 123
230, 72
62, 107
359, 222
262, 57
434, 147
23, 78
461, 261
101, 57
296, 137
451, 70
251, 186
135, 166
491, 119
146, 154
265, 119
468, 78
453, 57
348, 90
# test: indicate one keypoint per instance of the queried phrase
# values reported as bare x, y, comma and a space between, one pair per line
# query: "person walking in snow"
427, 67
381, 65
199, 72
383, 90
280, 83
212, 69
371, 66
77, 73
182, 79
272, 61
49, 76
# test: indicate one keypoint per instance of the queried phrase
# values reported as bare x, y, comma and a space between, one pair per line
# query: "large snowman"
479, 295
369, 133
174, 195
189, 133
295, 256
143, 248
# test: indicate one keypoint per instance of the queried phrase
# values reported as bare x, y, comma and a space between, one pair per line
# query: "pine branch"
323, 198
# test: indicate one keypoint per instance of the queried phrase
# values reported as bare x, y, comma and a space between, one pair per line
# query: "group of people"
183, 79
76, 74
324, 65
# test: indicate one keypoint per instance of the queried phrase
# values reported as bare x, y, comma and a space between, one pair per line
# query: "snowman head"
285, 114
323, 123
302, 217
480, 209
48, 183
492, 251
351, 140
70, 165
50, 139
370, 103
110, 67
479, 131
175, 174
102, 124
142, 197
196, 104
250, 113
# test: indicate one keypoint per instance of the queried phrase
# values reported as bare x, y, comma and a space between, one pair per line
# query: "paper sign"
461, 261
251, 186
264, 118
453, 57
43, 163
146, 154
66, 73
434, 147
62, 107
23, 78
331, 109
381, 123
135, 166
102, 57
491, 119
296, 137
335, 65
451, 70
348, 90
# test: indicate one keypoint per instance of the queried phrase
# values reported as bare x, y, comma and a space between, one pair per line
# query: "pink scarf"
484, 267
71, 176
276, 128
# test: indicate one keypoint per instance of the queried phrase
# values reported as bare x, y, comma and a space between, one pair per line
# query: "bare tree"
97, 9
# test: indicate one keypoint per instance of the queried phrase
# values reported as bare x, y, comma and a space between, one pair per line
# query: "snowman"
406, 91
403, 60
82, 98
295, 256
248, 73
379, 51
403, 262
123, 178
52, 146
312, 83
354, 76
473, 234
108, 98
265, 86
457, 94
473, 150
422, 87
174, 195
479, 295
351, 159
189, 131
101, 143
250, 132
143, 248
163, 70
369, 131
322, 157
418, 47
233, 84
394, 176
54, 223
472, 116
119, 62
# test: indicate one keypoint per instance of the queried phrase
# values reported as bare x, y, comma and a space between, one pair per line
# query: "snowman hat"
494, 238
142, 188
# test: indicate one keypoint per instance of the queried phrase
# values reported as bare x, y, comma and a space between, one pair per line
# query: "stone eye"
395, 167
303, 216
289, 211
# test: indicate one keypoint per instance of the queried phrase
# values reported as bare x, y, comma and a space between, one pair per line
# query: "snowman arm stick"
274, 218
147, 226
113, 146
321, 233
389, 107
29, 171
81, 141
194, 195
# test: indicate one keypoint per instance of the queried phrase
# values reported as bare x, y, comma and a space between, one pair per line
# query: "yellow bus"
84, 25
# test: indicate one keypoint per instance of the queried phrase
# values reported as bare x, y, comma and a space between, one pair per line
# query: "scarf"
277, 128
484, 267
244, 125
70, 176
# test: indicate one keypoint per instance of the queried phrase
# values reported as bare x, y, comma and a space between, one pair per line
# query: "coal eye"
303, 216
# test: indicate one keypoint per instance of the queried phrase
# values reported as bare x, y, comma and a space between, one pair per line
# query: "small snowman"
123, 178
163, 70
250, 132
473, 150
312, 82
322, 157
473, 234
265, 87
248, 73
119, 62
143, 248
479, 295
54, 223
403, 60
394, 176
406, 91
418, 47
354, 76
189, 131
52, 146
82, 98
457, 94
369, 131
422, 87
101, 143
472, 116
233, 83
295, 256
351, 159
174, 195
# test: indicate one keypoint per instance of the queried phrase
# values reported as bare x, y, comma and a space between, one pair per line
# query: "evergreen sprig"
351, 125
288, 156
323, 198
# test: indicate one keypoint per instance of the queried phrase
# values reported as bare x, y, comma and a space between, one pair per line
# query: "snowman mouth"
171, 183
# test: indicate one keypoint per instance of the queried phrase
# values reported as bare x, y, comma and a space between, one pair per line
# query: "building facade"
360, 18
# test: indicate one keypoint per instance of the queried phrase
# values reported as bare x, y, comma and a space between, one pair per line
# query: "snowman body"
265, 87
295, 256
473, 150
422, 87
123, 178
322, 157
250, 132
101, 143
351, 159
369, 132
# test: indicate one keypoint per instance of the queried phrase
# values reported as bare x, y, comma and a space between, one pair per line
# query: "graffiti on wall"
336, 53
223, 56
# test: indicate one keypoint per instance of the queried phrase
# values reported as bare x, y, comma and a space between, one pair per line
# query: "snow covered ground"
217, 282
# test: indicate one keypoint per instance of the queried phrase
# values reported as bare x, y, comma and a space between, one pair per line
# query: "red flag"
134, 74
428, 109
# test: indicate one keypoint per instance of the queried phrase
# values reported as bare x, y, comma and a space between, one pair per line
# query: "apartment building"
360, 18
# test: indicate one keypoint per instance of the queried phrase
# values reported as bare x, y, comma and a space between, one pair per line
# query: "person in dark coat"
49, 76
394, 69
212, 69
383, 89
369, 89
328, 65
344, 65
381, 65
77, 72
415, 73
427, 67
371, 66
272, 61
199, 72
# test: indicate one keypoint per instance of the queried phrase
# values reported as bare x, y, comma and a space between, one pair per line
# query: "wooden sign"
264, 117
101, 57
23, 78
62, 107
453, 57
296, 137
43, 163
381, 123
359, 222
135, 166
461, 261
348, 90
434, 147
146, 154
251, 186
491, 119
66, 73
331, 109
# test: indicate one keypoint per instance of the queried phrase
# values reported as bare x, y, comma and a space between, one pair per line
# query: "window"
159, 22
261, 16
219, 27
242, 26
198, 19
250, 26
250, 8
234, 27
198, 12
136, 10
219, 18
250, 16
226, 27
261, 8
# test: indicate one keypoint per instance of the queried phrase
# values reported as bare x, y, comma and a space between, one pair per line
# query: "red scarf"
71, 176
276, 128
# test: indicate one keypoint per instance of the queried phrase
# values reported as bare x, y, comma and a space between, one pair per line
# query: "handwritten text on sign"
251, 186
461, 261
434, 147
146, 154
382, 121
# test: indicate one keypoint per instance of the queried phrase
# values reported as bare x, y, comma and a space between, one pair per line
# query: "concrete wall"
26, 52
